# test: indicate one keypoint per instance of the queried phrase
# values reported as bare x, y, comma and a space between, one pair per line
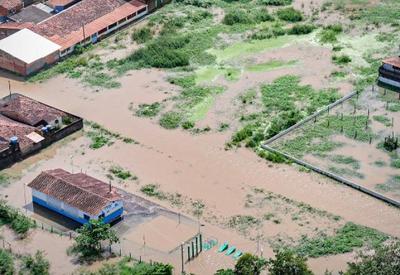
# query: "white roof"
28, 46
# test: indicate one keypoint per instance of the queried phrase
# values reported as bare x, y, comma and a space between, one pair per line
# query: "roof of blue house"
81, 191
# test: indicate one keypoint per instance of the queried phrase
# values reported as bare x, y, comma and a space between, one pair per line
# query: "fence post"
192, 249
201, 242
197, 246
182, 260
188, 251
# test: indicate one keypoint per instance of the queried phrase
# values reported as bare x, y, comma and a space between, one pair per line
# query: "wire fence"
313, 118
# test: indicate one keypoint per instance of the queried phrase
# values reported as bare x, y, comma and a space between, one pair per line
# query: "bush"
286, 262
250, 264
341, 59
187, 125
35, 265
329, 33
298, 29
237, 16
6, 263
142, 35
17, 221
276, 2
171, 120
149, 110
290, 15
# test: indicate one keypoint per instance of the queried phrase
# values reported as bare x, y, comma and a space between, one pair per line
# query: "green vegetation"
346, 239
314, 137
171, 120
286, 262
290, 15
88, 244
341, 59
383, 119
152, 190
276, 2
120, 173
299, 29
391, 185
142, 35
149, 110
329, 33
15, 219
271, 65
4, 179
6, 263
384, 260
281, 109
243, 222
35, 265
127, 266
100, 136
348, 161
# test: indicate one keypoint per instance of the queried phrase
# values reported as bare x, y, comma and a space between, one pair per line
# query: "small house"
9, 7
389, 74
77, 196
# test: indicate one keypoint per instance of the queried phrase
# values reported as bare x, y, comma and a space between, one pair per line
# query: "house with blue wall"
77, 196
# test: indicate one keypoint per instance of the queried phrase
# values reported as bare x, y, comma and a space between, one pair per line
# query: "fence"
317, 169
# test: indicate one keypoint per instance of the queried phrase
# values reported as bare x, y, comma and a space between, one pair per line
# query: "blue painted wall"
107, 219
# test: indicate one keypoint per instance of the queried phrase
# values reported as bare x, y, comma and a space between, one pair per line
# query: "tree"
35, 265
288, 263
6, 263
225, 272
91, 235
385, 260
249, 264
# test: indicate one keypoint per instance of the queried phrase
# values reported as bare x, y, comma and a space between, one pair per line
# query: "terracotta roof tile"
77, 190
27, 110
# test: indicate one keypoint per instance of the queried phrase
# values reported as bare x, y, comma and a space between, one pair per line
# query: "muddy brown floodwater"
196, 166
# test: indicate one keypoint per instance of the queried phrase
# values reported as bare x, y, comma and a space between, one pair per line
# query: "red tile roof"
66, 28
27, 110
53, 3
10, 128
77, 190
394, 61
10, 4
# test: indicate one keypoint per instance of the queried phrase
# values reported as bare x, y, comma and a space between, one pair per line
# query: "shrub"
120, 173
142, 35
149, 110
35, 265
187, 125
276, 2
290, 15
171, 120
237, 16
341, 59
329, 33
298, 29
286, 262
391, 143
250, 264
6, 263
17, 221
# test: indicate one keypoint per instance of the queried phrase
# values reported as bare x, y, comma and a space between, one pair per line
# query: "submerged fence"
319, 170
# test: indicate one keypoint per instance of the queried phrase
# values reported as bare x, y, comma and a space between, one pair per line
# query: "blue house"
77, 196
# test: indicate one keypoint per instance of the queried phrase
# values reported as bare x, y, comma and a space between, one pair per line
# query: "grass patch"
120, 173
391, 185
101, 137
149, 110
171, 120
271, 65
153, 190
346, 239
383, 120
349, 161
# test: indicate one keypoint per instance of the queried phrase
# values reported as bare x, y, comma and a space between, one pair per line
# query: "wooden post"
392, 122
188, 251
201, 242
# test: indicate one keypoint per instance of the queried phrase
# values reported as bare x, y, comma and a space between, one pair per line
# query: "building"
60, 5
77, 196
389, 74
88, 21
155, 4
27, 126
26, 52
9, 7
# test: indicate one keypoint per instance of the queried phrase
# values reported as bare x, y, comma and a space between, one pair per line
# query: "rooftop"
77, 190
28, 46
10, 4
31, 14
10, 128
66, 27
28, 111
394, 61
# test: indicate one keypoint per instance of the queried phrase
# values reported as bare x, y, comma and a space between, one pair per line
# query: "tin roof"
28, 46
77, 190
